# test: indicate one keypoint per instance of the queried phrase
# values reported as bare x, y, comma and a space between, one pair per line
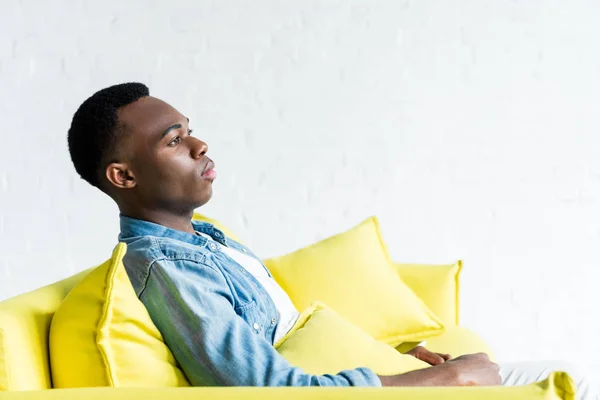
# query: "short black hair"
95, 127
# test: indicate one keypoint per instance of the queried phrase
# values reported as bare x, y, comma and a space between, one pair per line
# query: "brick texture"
469, 127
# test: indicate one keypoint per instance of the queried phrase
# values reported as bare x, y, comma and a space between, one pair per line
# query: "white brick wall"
469, 127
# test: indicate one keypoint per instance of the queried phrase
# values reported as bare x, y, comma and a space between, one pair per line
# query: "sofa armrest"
557, 386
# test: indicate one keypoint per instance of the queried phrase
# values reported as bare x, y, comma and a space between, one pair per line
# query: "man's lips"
209, 170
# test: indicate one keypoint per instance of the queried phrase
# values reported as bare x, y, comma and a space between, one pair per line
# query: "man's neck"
165, 218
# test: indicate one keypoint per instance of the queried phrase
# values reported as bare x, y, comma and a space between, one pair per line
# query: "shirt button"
273, 321
212, 246
218, 234
256, 326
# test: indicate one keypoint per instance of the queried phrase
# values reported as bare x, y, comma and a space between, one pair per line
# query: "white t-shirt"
285, 308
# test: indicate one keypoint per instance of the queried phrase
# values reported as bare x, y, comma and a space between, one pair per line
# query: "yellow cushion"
24, 325
102, 335
436, 285
351, 273
322, 342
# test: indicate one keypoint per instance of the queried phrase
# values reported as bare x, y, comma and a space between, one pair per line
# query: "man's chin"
206, 196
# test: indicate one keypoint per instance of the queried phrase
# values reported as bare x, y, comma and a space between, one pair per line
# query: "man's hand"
476, 370
430, 358
468, 370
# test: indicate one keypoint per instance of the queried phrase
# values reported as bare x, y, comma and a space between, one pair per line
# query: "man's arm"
213, 345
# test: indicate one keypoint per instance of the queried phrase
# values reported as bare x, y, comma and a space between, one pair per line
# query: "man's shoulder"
155, 248
146, 252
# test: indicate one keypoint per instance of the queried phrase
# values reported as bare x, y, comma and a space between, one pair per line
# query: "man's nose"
199, 149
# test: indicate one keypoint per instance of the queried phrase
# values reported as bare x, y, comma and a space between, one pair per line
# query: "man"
216, 305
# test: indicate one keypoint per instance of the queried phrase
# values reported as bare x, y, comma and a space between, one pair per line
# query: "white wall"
469, 127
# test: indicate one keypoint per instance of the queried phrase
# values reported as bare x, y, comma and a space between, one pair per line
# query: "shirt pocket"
253, 316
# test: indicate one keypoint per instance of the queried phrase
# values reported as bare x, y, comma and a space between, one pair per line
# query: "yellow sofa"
25, 368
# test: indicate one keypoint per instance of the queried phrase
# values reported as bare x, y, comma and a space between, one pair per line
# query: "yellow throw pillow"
102, 335
351, 273
436, 285
322, 342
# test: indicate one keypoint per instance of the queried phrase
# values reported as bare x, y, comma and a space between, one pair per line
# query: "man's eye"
175, 141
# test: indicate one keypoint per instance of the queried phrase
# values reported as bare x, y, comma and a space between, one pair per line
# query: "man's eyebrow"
169, 129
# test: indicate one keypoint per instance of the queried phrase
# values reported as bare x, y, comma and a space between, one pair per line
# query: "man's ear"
120, 176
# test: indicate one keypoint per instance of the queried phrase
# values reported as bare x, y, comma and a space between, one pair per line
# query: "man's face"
170, 166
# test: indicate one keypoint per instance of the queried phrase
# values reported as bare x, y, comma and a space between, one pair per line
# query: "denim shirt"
216, 318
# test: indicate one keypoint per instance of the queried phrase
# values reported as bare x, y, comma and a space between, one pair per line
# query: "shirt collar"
132, 227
